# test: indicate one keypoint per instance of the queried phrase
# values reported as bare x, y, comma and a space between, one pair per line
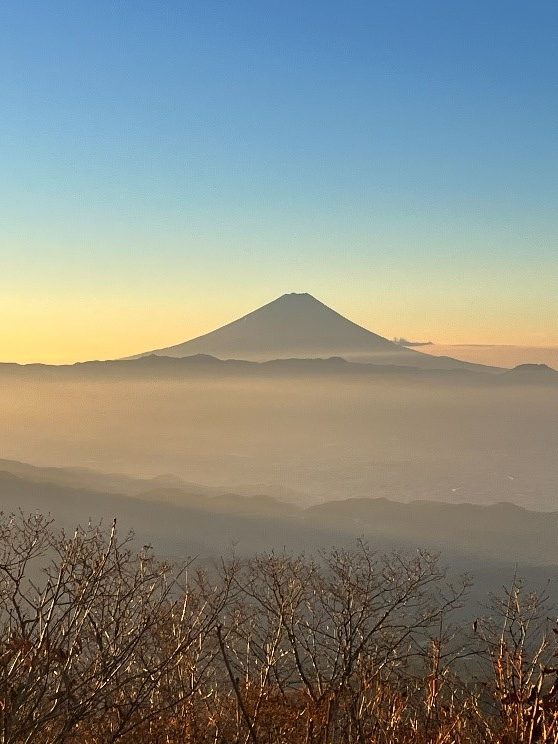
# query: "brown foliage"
99, 644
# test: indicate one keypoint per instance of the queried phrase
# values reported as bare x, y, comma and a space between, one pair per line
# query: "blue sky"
167, 166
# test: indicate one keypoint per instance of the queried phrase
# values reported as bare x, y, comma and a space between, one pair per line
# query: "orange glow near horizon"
67, 330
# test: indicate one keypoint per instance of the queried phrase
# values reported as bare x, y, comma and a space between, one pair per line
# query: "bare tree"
92, 633
100, 643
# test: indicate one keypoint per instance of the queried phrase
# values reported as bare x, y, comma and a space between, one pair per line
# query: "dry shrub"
101, 644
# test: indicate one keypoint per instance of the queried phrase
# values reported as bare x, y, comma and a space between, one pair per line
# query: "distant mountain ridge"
299, 325
532, 373
153, 366
488, 541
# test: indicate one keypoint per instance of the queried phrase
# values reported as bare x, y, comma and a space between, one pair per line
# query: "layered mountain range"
181, 519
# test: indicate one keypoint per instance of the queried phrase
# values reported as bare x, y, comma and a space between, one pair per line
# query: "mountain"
534, 373
299, 325
492, 543
193, 518
199, 366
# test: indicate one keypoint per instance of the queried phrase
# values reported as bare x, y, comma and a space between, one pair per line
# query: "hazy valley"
314, 435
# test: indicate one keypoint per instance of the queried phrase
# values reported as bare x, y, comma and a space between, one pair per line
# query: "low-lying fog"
318, 438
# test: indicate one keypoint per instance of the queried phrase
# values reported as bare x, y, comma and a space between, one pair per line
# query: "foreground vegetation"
99, 645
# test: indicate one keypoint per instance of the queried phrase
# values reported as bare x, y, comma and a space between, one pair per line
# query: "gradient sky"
169, 166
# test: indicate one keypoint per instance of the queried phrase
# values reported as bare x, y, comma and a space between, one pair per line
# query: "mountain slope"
531, 373
298, 325
199, 366
490, 542
199, 517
